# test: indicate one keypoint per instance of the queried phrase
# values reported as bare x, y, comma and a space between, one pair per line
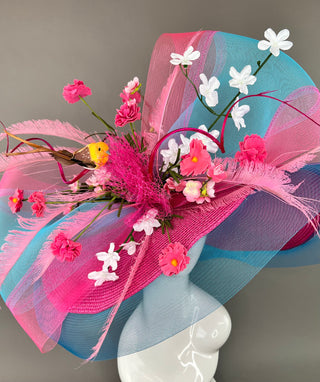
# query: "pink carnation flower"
252, 149
131, 91
65, 249
173, 259
16, 201
39, 203
72, 92
197, 161
128, 113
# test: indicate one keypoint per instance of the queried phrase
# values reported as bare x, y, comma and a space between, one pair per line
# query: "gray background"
44, 45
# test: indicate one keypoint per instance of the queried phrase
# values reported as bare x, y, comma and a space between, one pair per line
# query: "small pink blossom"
216, 172
192, 190
147, 222
39, 203
100, 177
171, 184
131, 91
252, 149
16, 201
129, 112
173, 259
65, 249
197, 161
207, 192
72, 92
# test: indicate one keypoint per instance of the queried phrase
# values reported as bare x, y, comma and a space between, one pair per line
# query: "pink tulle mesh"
168, 94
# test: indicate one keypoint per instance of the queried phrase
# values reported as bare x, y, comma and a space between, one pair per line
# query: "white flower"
237, 114
208, 89
147, 222
276, 41
242, 79
185, 145
130, 247
102, 276
186, 59
170, 155
109, 258
210, 145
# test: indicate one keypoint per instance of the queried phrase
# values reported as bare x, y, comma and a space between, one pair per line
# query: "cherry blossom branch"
232, 102
185, 73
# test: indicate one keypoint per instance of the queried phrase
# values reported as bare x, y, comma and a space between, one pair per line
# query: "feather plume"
51, 128
116, 307
299, 160
158, 111
275, 181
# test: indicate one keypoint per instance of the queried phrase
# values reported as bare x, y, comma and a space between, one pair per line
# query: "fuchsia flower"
216, 172
173, 259
72, 92
65, 249
252, 149
16, 201
197, 161
128, 113
171, 184
39, 203
131, 91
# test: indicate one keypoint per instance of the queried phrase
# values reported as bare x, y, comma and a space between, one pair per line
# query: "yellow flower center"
204, 191
174, 262
194, 159
15, 200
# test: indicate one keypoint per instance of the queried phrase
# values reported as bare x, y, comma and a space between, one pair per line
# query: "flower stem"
134, 135
260, 66
109, 127
92, 221
185, 73
167, 230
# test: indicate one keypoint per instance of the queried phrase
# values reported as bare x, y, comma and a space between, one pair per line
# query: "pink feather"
275, 181
300, 160
116, 307
51, 128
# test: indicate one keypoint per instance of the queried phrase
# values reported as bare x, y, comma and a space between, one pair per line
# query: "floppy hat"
62, 274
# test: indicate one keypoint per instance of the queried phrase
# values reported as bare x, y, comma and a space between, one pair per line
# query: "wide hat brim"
56, 302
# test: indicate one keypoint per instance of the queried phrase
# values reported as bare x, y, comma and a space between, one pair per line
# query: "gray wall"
44, 45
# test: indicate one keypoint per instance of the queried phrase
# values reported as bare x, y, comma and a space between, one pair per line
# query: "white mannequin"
189, 356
